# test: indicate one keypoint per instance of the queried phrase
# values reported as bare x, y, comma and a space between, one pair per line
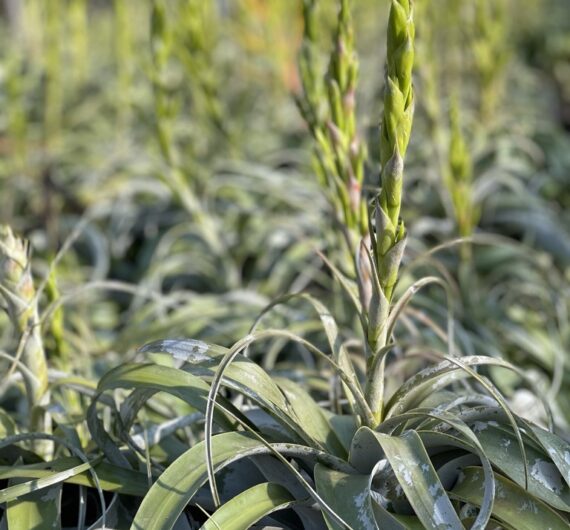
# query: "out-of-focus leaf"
21, 489
111, 478
38, 510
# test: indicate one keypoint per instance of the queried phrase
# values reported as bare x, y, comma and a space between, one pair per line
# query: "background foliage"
166, 173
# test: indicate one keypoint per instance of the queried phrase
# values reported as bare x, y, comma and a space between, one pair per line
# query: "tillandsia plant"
341, 155
358, 434
341, 158
441, 451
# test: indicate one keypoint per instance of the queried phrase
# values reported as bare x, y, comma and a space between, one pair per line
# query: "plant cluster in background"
287, 264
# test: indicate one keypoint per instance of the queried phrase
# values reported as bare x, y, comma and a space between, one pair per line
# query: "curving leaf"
179, 383
242, 375
348, 495
311, 417
416, 475
111, 478
24, 487
249, 507
177, 485
513, 505
35, 510
557, 449
433, 378
545, 480
186, 475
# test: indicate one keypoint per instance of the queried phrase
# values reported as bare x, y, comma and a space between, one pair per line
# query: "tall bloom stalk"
329, 108
389, 240
395, 136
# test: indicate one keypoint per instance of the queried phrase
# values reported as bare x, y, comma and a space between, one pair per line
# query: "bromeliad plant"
441, 451
355, 436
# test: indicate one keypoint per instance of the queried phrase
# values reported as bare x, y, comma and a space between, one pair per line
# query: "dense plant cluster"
287, 264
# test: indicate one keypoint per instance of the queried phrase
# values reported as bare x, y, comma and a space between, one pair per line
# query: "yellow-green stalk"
453, 154
17, 290
329, 109
53, 108
490, 50
459, 178
56, 326
389, 239
165, 107
124, 57
312, 102
79, 36
394, 138
195, 34
17, 120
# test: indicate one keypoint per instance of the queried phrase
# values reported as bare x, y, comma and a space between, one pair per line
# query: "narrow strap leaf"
512, 504
248, 507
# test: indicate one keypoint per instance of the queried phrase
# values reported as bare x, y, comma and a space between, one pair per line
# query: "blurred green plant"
491, 51
344, 427
459, 178
357, 476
